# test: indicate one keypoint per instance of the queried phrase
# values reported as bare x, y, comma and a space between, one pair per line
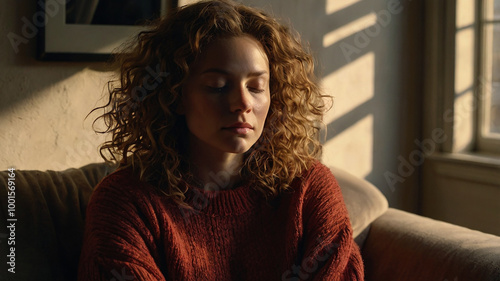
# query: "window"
489, 77
459, 76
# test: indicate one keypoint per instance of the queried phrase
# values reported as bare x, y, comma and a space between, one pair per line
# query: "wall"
44, 104
367, 53
463, 189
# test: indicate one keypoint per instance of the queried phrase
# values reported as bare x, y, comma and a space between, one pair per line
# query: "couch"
396, 245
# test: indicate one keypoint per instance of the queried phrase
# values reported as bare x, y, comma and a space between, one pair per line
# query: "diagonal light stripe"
342, 32
333, 6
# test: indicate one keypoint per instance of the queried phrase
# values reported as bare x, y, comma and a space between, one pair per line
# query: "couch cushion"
405, 246
364, 202
49, 208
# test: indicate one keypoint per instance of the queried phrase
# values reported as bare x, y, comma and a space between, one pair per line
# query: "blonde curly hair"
148, 135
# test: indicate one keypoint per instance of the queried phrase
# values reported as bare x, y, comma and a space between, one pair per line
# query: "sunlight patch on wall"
352, 150
349, 29
333, 6
350, 86
463, 129
465, 13
464, 68
52, 121
465, 104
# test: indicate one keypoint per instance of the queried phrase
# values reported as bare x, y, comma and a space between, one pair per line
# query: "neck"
216, 171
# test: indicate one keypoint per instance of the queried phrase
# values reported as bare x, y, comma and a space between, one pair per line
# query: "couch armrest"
404, 246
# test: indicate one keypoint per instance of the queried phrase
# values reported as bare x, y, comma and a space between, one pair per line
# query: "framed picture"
89, 30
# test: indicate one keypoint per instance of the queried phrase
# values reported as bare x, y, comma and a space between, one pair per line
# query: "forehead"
237, 55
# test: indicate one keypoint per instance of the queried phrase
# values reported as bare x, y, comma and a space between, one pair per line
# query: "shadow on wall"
43, 104
392, 107
22, 75
367, 52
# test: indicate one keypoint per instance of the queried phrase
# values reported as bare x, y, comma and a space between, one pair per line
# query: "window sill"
477, 167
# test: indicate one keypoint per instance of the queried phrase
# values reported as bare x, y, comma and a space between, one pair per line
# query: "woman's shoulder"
317, 170
122, 181
120, 175
317, 178
318, 188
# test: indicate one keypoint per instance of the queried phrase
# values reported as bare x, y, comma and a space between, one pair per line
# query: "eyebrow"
222, 71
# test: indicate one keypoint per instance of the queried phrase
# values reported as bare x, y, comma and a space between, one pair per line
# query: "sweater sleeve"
119, 236
330, 252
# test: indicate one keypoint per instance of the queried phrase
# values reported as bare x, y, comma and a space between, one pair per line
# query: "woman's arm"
330, 251
119, 236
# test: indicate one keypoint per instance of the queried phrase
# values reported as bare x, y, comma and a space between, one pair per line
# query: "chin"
239, 148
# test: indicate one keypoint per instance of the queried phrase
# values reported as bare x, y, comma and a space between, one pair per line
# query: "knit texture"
133, 232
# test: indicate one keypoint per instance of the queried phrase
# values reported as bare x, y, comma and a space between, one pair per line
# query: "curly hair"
147, 133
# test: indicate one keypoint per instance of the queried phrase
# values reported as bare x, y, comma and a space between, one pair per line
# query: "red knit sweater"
134, 233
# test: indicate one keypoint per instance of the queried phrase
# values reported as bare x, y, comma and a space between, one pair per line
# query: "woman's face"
226, 97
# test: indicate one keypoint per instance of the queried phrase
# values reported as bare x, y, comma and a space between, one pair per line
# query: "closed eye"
256, 90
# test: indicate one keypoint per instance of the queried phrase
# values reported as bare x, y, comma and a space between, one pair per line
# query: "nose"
240, 99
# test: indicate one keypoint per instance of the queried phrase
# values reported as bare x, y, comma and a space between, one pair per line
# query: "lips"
240, 128
239, 125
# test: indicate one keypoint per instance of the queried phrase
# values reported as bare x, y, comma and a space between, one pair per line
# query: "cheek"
262, 108
202, 112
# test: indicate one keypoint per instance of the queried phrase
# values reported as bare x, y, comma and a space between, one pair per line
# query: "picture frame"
61, 40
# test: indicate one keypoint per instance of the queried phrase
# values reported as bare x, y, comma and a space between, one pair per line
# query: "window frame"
484, 143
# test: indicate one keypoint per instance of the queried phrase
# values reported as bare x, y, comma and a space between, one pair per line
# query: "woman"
214, 123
